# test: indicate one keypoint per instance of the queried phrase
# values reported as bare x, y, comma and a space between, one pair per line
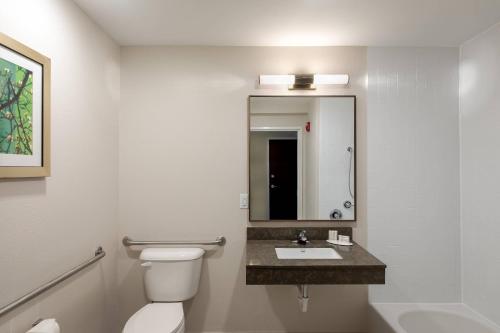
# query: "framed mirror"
302, 158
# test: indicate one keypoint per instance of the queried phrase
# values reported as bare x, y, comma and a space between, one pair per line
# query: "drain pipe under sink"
303, 297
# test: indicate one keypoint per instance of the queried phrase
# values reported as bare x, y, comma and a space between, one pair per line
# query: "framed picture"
24, 111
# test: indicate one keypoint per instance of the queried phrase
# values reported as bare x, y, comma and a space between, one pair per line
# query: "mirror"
302, 158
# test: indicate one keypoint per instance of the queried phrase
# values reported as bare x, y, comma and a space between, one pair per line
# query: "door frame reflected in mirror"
300, 132
299, 139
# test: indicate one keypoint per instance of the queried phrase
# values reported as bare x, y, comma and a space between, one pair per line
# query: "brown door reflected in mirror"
283, 179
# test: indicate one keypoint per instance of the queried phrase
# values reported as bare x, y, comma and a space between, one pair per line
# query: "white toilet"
171, 276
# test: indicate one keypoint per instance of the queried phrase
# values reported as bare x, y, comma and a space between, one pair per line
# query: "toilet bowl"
171, 276
157, 318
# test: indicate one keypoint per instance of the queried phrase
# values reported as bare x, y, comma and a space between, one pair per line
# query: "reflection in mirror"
302, 158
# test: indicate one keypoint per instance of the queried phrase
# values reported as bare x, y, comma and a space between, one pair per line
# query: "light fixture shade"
331, 79
277, 80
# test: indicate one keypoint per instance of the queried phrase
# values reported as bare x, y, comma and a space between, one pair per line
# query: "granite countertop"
263, 267
261, 253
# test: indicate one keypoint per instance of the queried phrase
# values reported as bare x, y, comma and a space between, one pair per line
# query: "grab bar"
220, 241
99, 254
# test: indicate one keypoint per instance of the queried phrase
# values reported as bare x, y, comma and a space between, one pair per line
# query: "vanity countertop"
357, 265
261, 253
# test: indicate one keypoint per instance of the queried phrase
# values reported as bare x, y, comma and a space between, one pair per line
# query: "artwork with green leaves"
16, 109
24, 111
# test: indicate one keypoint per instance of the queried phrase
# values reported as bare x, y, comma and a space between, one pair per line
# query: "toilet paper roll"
46, 326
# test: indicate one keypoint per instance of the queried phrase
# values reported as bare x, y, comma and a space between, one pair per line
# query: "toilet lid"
156, 318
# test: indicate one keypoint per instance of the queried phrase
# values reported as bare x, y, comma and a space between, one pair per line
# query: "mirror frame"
355, 159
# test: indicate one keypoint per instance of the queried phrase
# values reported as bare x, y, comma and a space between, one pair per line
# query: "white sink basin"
307, 253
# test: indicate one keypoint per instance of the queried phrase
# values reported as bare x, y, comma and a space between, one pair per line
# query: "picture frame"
25, 79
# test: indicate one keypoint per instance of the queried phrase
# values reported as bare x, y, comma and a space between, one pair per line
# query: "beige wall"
47, 226
183, 163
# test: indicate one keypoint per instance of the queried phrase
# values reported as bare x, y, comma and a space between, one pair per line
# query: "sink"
307, 253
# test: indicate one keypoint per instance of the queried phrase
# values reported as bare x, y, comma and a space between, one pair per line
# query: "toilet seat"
157, 318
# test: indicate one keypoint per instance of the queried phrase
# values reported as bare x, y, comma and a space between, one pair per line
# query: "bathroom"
161, 93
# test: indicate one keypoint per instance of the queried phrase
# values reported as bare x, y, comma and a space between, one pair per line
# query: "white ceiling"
293, 22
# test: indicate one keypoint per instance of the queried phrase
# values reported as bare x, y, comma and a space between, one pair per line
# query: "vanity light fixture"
342, 79
277, 80
304, 81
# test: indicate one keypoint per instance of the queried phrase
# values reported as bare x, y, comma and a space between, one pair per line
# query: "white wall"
311, 177
336, 133
183, 163
480, 173
413, 173
47, 226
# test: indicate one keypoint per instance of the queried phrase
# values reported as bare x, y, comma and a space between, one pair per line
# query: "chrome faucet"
302, 238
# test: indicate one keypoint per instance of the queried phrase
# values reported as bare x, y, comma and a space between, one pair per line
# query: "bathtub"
427, 318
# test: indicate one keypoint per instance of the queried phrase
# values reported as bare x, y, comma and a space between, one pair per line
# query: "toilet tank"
171, 274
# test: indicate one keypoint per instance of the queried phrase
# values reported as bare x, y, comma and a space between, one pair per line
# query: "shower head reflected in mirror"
350, 150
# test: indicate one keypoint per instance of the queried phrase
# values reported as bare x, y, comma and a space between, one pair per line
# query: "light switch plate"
244, 200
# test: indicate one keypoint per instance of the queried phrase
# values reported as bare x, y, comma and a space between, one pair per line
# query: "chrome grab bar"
99, 254
220, 241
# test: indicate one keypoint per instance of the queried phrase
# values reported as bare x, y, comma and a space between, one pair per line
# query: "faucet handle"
301, 237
